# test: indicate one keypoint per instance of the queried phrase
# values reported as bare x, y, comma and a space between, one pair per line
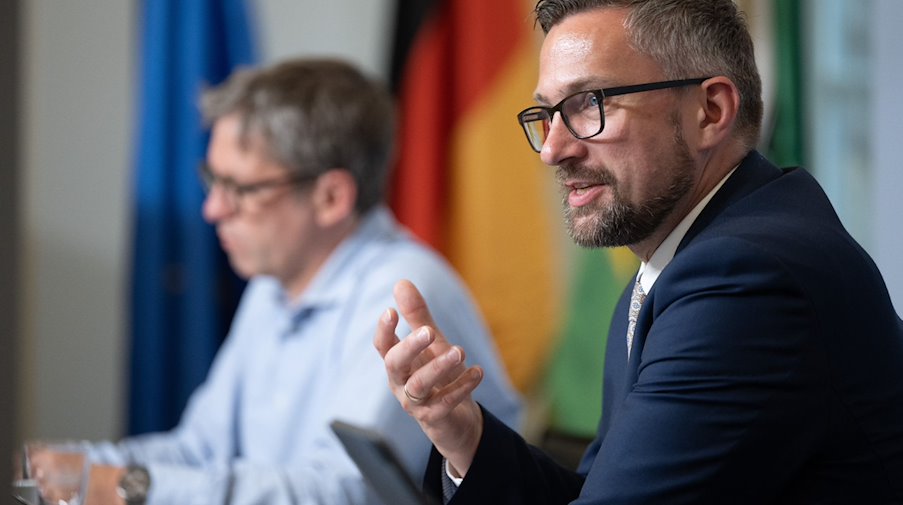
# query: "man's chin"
582, 226
585, 236
241, 269
592, 233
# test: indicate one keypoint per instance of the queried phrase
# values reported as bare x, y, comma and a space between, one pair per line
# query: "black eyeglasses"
583, 112
235, 192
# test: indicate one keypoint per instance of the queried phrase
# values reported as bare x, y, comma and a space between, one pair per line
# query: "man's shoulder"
789, 214
783, 233
404, 254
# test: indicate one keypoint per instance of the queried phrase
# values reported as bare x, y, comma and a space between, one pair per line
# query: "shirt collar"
334, 281
650, 270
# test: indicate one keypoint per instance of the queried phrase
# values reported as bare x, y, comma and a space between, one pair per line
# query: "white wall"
359, 30
77, 127
79, 63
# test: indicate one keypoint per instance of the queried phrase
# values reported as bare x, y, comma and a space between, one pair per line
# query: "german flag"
467, 183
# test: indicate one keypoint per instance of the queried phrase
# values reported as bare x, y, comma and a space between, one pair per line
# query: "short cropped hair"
314, 115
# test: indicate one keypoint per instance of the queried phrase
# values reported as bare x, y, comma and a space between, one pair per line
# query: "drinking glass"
58, 468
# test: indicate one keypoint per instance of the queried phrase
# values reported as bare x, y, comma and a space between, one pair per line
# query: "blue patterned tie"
636, 302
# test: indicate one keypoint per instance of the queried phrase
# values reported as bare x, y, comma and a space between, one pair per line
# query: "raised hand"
429, 378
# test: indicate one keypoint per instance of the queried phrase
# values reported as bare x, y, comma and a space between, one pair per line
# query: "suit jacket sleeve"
506, 470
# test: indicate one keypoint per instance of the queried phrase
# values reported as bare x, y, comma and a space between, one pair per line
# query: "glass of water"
58, 469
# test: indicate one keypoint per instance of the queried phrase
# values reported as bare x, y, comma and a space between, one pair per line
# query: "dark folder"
380, 466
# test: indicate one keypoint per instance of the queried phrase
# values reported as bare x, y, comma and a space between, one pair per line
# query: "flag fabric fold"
467, 183
182, 290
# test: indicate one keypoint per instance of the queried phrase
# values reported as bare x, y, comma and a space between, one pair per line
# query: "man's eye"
245, 189
585, 102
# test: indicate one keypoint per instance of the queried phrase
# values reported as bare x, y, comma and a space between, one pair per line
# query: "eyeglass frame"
236, 192
600, 95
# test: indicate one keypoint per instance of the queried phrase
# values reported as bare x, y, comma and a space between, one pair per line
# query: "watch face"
134, 484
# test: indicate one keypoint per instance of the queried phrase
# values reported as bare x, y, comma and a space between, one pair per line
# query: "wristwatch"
133, 485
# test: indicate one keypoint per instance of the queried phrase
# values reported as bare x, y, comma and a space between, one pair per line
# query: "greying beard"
611, 226
621, 222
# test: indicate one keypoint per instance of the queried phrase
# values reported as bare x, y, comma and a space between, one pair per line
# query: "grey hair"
688, 39
314, 115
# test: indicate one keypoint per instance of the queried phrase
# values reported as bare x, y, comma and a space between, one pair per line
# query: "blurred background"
73, 105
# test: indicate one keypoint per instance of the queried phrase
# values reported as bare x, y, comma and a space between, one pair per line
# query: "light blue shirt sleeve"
257, 430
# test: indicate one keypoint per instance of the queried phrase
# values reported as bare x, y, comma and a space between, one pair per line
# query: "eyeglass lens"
582, 114
229, 190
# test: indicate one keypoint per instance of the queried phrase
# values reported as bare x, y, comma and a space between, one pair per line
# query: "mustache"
597, 175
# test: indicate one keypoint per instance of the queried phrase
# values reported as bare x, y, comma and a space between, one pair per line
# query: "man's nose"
560, 144
216, 205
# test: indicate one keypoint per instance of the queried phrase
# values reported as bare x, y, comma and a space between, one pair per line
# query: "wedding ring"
415, 400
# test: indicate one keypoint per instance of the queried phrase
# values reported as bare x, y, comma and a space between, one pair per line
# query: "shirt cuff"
451, 476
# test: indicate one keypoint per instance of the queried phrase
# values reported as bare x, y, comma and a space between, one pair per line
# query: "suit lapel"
613, 386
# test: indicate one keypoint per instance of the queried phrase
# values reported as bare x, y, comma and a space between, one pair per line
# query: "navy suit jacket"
767, 368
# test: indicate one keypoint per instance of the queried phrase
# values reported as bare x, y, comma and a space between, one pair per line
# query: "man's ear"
334, 197
717, 113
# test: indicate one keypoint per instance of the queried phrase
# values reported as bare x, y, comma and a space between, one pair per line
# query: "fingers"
399, 359
402, 358
462, 387
385, 337
434, 374
412, 305
425, 372
385, 340
458, 389
408, 355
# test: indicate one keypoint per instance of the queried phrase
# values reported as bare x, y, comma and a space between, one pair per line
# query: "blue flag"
183, 292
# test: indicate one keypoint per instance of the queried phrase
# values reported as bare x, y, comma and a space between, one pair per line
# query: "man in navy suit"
757, 359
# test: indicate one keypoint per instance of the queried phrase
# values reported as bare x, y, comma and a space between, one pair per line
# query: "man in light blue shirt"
296, 173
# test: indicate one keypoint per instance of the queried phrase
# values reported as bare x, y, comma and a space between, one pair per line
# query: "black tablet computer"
380, 466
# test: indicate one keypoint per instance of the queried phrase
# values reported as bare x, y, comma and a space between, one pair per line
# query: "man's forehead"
587, 30
578, 53
575, 44
589, 50
231, 146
